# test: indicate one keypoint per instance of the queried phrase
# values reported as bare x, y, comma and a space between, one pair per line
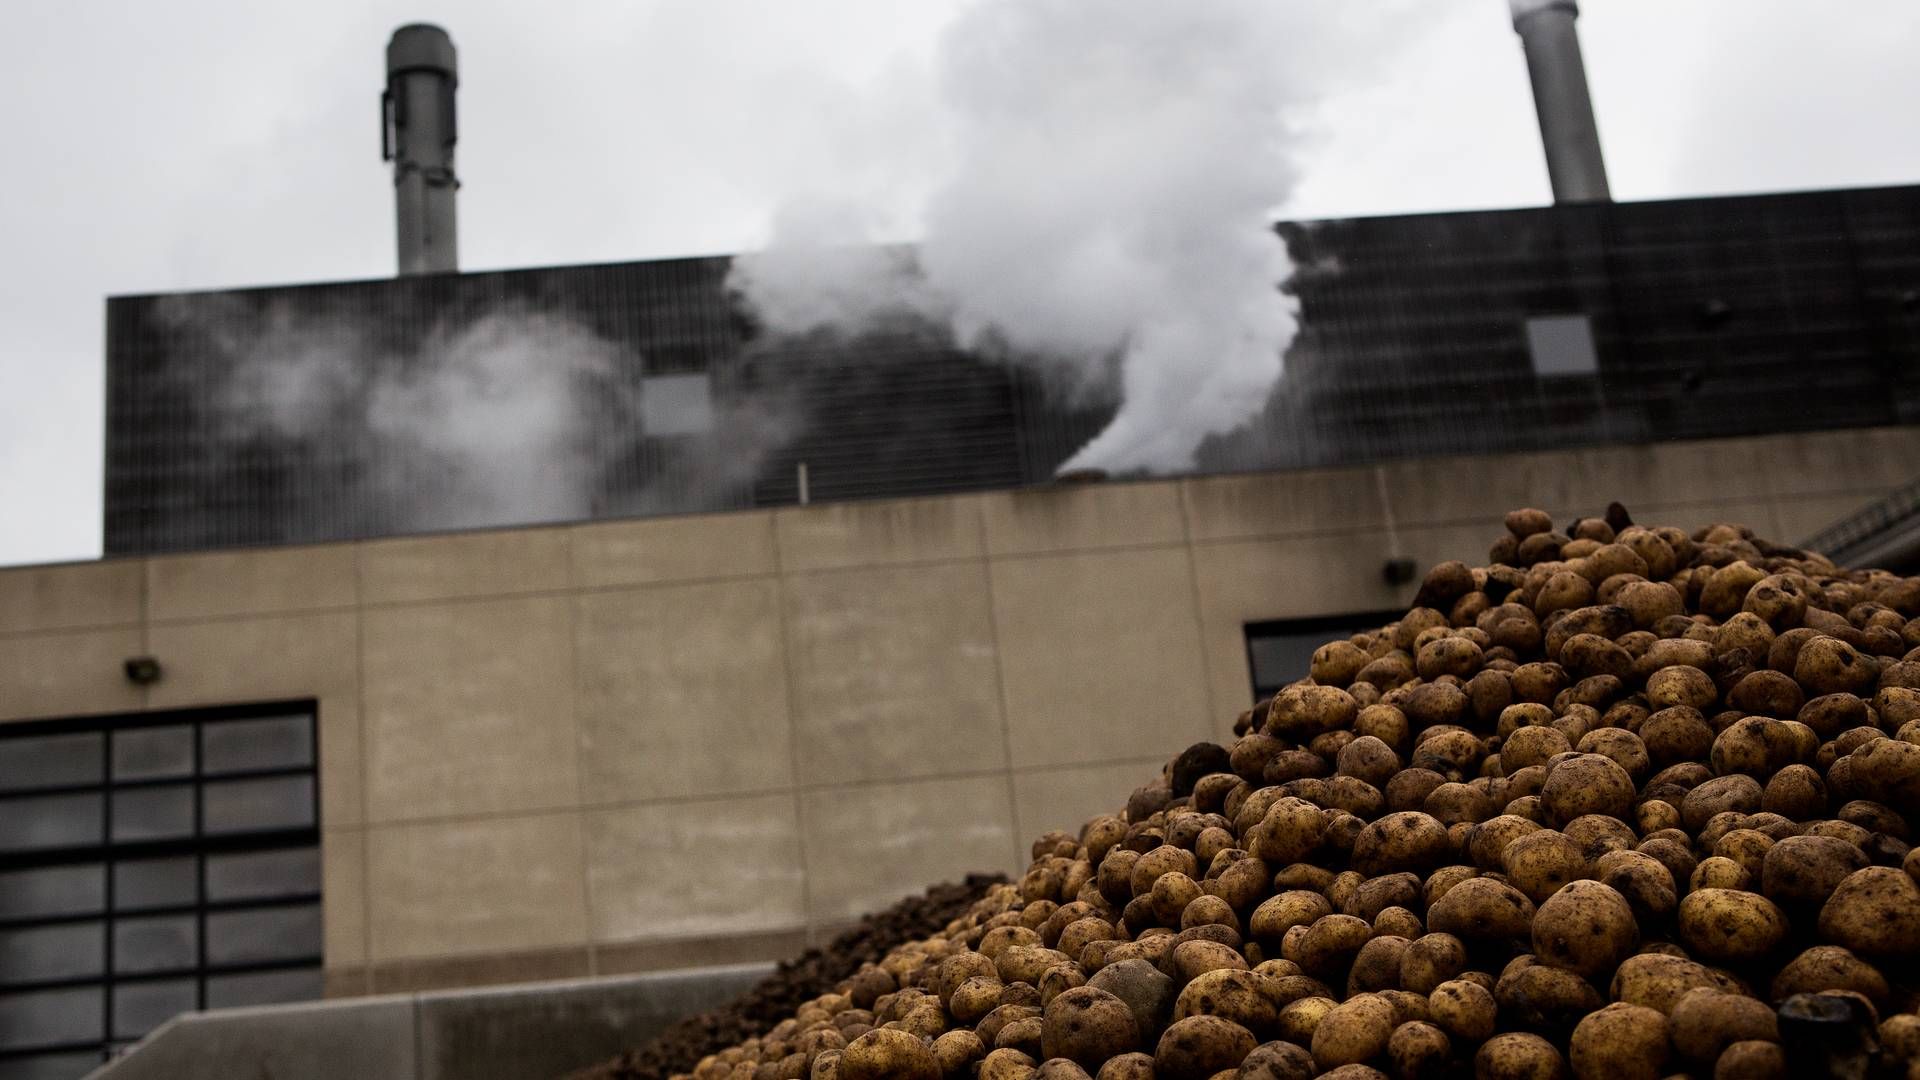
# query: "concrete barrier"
533, 1032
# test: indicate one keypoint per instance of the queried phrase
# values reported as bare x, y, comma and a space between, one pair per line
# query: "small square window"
1562, 345
675, 405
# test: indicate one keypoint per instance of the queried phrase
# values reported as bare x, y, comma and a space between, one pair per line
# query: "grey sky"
210, 143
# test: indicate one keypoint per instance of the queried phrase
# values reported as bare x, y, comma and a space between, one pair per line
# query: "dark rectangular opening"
1280, 651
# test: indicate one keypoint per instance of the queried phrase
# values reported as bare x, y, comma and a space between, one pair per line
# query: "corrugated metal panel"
1710, 317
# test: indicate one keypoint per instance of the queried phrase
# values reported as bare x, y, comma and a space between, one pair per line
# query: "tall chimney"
417, 135
1572, 140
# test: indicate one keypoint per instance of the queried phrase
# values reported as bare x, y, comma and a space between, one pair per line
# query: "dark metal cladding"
1707, 317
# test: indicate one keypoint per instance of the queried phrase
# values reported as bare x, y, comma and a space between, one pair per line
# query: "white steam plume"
483, 423
1108, 192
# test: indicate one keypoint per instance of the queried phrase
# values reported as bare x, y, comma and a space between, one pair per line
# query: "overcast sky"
148, 147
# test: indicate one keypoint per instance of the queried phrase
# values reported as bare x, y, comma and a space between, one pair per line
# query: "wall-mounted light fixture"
142, 670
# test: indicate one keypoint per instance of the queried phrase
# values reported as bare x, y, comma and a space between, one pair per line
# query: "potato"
975, 998
1332, 942
1280, 913
1586, 928
1088, 1025
1587, 784
1620, 1042
1278, 1061
1640, 879
1377, 965
1431, 960
1403, 841
1291, 829
1354, 1031
1542, 997
1658, 981
1419, 1050
1006, 1064
1023, 1035
1752, 1059
1464, 1009
1738, 794
1147, 992
1540, 863
1706, 1021
1874, 911
1829, 967
1239, 996
1300, 1017
1199, 1046
1481, 908
1803, 871
881, 1054
1302, 711
1518, 1056
956, 1051
1730, 925
1127, 1067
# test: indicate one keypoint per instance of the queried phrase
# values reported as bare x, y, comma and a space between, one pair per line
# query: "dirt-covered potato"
1407, 841
1278, 1061
1729, 925
1200, 1046
1431, 960
1587, 784
1751, 1059
1875, 912
1539, 863
1134, 1066
1464, 1009
1302, 711
1657, 980
1353, 1032
1006, 1064
1543, 998
1620, 1042
1518, 1056
1586, 928
956, 1051
882, 1053
1481, 908
1300, 1017
1706, 1022
1088, 1025
1829, 967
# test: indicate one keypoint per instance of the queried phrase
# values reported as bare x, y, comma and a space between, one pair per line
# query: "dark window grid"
201, 971
211, 907
107, 851
178, 780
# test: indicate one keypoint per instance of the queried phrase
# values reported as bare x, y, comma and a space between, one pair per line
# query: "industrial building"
700, 688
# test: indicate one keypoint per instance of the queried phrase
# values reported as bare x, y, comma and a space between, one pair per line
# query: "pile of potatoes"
1627, 803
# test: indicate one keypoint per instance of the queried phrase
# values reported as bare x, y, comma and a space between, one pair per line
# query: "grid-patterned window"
1281, 652
150, 865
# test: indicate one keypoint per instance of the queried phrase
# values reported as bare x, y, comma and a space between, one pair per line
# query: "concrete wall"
564, 751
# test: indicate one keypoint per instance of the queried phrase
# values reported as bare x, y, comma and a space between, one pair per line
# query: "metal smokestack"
417, 135
1567, 129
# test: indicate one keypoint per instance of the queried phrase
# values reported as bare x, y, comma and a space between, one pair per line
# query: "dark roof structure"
311, 413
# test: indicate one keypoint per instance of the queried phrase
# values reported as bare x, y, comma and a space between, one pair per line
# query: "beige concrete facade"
595, 748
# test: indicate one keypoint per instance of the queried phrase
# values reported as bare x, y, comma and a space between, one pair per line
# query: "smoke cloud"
1104, 212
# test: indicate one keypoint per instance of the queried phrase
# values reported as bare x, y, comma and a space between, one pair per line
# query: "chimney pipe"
417, 135
1567, 129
